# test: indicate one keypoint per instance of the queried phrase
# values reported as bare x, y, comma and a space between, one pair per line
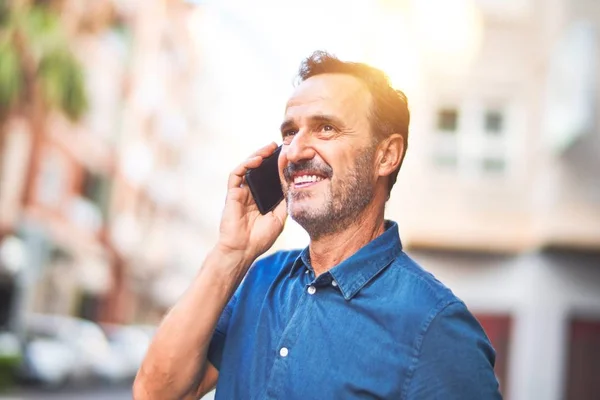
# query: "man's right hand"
176, 365
244, 231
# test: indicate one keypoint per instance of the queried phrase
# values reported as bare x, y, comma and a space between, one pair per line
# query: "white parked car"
61, 349
131, 343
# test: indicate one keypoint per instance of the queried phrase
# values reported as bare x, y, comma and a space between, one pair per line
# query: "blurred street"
119, 393
97, 393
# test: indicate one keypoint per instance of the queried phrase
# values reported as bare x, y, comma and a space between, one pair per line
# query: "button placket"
281, 364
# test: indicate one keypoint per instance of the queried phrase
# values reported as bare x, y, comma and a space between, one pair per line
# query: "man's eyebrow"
287, 124
326, 119
313, 119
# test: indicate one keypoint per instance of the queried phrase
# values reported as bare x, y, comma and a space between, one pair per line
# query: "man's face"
326, 163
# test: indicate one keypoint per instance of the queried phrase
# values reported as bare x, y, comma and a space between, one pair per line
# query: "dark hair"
389, 111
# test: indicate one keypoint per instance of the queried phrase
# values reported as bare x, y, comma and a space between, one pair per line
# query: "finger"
236, 178
265, 151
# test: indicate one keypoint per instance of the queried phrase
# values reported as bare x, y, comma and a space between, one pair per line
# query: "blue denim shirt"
376, 326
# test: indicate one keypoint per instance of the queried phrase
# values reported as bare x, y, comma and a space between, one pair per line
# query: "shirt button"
312, 290
283, 352
333, 283
307, 271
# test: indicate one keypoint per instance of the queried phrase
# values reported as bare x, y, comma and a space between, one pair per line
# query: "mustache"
311, 166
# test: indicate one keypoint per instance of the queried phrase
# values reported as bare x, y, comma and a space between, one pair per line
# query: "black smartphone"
264, 183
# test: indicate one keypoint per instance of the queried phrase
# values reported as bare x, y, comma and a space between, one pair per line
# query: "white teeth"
307, 178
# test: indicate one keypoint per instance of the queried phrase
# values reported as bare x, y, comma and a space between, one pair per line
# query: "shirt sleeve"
217, 343
456, 360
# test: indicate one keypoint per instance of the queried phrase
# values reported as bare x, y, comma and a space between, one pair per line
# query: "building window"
494, 122
51, 182
8, 297
493, 164
447, 120
96, 188
89, 307
446, 161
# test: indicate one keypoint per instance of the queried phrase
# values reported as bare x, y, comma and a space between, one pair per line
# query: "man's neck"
329, 251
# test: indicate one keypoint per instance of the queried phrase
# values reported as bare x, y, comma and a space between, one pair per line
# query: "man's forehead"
330, 90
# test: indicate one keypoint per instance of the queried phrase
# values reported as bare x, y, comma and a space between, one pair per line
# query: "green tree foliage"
35, 51
11, 76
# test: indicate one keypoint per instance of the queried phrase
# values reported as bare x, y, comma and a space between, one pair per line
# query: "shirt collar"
355, 272
302, 259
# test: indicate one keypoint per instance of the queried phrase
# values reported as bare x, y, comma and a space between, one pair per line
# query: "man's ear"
390, 154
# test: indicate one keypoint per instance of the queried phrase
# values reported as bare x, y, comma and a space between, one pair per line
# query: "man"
351, 316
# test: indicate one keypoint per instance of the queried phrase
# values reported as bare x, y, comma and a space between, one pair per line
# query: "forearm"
176, 359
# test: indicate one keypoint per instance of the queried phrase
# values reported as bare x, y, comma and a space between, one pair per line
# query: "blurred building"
500, 194
155, 235
56, 183
88, 211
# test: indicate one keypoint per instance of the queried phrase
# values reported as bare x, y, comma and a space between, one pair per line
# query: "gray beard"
342, 206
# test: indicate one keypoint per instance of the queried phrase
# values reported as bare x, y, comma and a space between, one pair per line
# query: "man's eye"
289, 132
328, 128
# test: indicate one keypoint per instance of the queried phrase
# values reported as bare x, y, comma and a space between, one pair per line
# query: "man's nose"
301, 148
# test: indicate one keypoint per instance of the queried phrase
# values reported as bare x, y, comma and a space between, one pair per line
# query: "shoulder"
268, 267
442, 328
263, 273
422, 300
281, 257
442, 315
415, 285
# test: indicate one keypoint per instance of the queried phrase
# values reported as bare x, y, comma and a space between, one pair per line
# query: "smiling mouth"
304, 181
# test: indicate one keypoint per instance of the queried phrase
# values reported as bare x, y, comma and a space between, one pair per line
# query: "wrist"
233, 254
231, 261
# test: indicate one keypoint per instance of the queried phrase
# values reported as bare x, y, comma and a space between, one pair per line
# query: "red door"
583, 369
497, 328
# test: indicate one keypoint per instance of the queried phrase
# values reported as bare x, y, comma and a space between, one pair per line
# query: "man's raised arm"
176, 365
